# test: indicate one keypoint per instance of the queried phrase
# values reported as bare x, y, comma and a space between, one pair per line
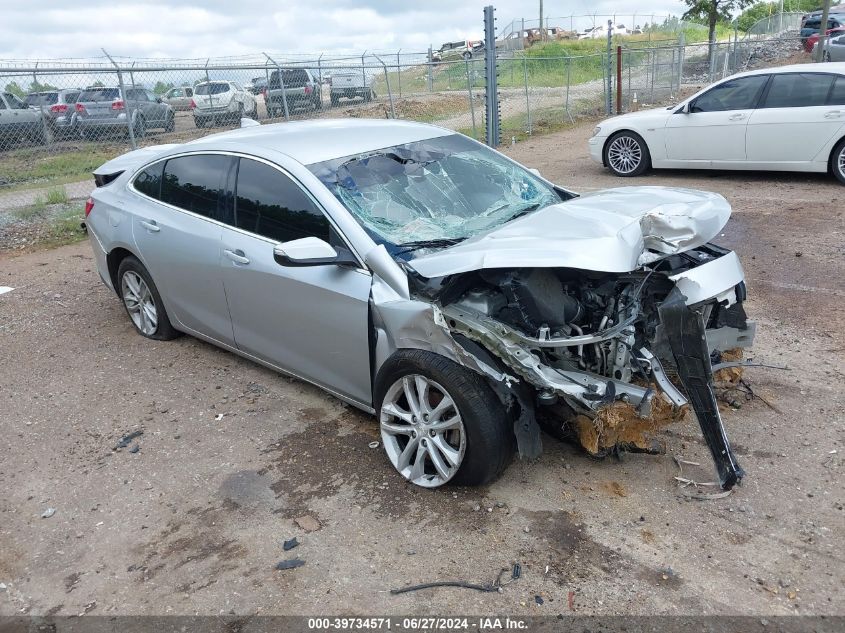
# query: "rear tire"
487, 441
837, 161
139, 128
199, 121
626, 154
334, 101
142, 301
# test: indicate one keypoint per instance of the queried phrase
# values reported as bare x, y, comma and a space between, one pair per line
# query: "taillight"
193, 104
89, 206
117, 104
80, 108
59, 108
308, 90
264, 93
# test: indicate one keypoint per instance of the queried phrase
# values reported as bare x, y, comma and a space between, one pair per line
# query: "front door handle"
833, 114
150, 225
236, 256
736, 117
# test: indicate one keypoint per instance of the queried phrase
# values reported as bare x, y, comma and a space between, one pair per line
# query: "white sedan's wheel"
837, 161
626, 154
422, 431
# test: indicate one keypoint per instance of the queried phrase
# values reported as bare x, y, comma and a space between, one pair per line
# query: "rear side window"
736, 94
148, 181
270, 204
798, 90
293, 78
195, 183
71, 97
837, 95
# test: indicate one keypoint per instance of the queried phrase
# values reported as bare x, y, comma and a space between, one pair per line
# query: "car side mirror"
684, 109
312, 251
158, 99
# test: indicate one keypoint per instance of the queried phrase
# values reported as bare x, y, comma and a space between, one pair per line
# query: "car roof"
829, 67
316, 141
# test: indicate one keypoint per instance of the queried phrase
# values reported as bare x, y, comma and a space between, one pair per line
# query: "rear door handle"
236, 256
150, 225
736, 117
833, 114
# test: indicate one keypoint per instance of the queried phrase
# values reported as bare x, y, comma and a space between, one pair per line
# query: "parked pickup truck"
301, 90
352, 85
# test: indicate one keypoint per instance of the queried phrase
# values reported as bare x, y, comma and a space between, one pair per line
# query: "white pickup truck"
351, 85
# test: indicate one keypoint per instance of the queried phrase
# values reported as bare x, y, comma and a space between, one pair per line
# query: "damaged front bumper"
701, 315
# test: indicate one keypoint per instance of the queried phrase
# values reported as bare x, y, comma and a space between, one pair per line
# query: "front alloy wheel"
422, 431
626, 154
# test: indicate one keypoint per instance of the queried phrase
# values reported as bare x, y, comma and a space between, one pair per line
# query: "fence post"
399, 72
609, 99
430, 70
386, 81
132, 142
527, 100
566, 106
471, 104
491, 89
618, 80
281, 87
47, 136
363, 72
681, 54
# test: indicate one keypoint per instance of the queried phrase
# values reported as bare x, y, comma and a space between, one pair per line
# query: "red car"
811, 41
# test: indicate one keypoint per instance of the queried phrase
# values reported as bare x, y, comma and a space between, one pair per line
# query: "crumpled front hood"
614, 230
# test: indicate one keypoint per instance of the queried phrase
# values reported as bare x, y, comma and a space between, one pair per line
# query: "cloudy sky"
203, 28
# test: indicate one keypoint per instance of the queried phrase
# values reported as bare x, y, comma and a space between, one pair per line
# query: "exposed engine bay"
602, 358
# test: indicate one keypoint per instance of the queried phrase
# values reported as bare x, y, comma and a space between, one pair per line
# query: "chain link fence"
60, 120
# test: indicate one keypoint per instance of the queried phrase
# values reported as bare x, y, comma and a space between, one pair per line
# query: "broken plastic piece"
290, 544
127, 439
291, 563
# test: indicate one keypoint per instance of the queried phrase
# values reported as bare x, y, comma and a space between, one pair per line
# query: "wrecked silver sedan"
423, 277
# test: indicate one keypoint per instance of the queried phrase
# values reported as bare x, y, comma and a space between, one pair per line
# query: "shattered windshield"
433, 192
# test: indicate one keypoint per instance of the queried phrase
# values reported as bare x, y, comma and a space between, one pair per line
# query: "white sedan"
781, 119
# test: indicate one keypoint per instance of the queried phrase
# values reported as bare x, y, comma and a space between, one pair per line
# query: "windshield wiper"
407, 247
523, 212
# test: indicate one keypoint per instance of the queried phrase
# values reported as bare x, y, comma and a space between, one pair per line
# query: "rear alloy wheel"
441, 422
626, 154
142, 301
837, 161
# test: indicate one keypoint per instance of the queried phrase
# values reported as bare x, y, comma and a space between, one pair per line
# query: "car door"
712, 126
835, 49
177, 226
794, 120
311, 321
18, 118
5, 117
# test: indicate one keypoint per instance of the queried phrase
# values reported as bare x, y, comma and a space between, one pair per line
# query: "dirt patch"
619, 425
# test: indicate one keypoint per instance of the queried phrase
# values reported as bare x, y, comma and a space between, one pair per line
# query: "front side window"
736, 94
446, 188
798, 90
148, 181
270, 204
42, 98
196, 183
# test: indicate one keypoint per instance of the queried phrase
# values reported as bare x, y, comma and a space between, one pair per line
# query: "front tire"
143, 302
170, 125
440, 422
626, 154
837, 161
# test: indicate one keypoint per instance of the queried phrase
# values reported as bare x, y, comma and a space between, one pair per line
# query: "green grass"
56, 196
65, 228
28, 168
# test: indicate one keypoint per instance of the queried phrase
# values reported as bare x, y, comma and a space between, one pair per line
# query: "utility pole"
542, 32
822, 30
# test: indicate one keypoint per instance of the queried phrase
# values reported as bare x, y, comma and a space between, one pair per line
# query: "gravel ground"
234, 459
